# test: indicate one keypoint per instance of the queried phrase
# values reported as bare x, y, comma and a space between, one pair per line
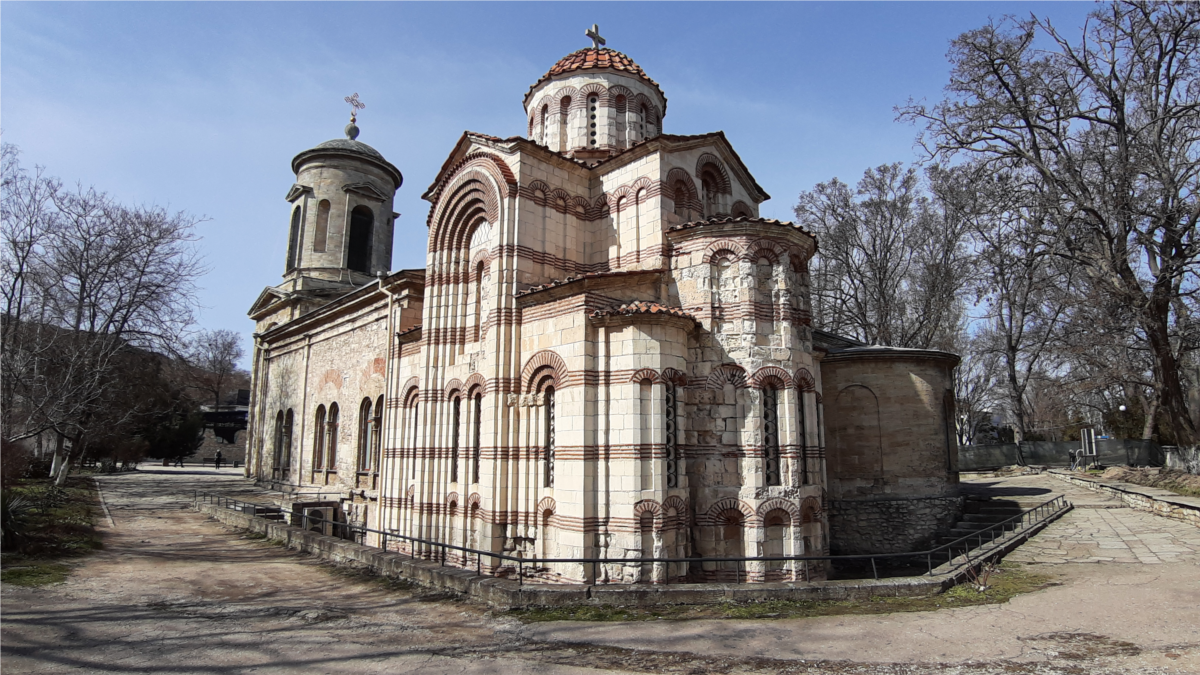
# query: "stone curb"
508, 594
1154, 500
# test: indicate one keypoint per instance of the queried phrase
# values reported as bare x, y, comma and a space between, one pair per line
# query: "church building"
609, 354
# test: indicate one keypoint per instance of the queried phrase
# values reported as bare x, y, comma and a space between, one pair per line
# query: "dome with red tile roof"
591, 58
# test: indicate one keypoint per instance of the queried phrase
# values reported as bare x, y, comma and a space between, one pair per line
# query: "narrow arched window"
319, 439
365, 442
680, 197
455, 431
475, 433
564, 109
277, 450
548, 450
671, 435
622, 107
362, 224
416, 427
321, 232
331, 438
293, 239
479, 301
803, 417
593, 104
770, 418
542, 126
289, 420
377, 434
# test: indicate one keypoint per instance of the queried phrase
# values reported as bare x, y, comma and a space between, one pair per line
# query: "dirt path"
173, 592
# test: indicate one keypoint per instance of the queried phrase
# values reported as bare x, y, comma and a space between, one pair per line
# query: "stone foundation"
889, 525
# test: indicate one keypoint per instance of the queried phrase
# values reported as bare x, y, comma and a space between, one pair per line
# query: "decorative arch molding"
547, 504
493, 165
766, 249
474, 500
727, 373
481, 256
771, 375
452, 500
810, 511
778, 504
476, 381
647, 506
412, 489
542, 361
805, 380
412, 393
453, 387
724, 185
645, 374
678, 175
473, 196
820, 399
717, 513
741, 209
599, 90
722, 247
679, 504
675, 377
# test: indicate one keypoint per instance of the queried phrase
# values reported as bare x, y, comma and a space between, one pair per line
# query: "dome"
592, 58
347, 147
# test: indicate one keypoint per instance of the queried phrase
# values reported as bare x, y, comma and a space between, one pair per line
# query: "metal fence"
1015, 527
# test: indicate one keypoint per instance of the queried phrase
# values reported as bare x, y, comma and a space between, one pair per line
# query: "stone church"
609, 354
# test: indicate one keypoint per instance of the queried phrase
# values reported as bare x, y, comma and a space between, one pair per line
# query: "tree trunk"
1151, 416
56, 463
1171, 399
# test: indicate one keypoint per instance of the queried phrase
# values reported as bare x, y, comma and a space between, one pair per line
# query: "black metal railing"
1007, 530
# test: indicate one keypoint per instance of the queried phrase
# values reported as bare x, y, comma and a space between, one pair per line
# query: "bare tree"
890, 268
215, 354
1105, 130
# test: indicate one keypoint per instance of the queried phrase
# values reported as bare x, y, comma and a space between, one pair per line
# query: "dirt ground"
174, 592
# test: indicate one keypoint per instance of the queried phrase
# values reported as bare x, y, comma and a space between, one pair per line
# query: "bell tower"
340, 221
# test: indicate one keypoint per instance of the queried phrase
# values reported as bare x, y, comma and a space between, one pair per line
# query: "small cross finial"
355, 106
594, 33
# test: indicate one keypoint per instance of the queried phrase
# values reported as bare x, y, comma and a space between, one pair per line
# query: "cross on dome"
594, 33
355, 105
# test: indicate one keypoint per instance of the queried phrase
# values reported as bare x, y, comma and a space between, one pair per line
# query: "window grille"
771, 436
672, 437
456, 422
549, 435
803, 417
476, 437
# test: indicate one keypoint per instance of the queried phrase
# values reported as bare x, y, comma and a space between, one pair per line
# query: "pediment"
297, 191
266, 299
366, 190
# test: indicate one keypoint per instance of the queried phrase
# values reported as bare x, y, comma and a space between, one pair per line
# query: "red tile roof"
642, 307
590, 58
740, 219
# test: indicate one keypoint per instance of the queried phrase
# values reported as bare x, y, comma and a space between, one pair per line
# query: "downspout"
384, 417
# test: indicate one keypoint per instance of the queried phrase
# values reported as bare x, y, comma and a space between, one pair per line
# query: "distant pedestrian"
217, 460
179, 461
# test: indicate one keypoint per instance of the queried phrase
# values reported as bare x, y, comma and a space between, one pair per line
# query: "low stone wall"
889, 525
1155, 500
508, 594
1109, 452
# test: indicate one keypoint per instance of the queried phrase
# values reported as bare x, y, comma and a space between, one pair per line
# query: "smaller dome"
591, 58
346, 147
350, 146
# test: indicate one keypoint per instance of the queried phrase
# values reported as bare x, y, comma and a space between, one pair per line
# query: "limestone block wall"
325, 210
889, 416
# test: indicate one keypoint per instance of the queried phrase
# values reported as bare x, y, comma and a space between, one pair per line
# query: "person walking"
217, 460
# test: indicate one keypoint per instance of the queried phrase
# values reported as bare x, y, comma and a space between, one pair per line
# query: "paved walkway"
173, 592
1099, 529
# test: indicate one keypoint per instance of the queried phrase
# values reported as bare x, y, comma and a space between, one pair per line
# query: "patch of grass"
1008, 581
35, 573
58, 527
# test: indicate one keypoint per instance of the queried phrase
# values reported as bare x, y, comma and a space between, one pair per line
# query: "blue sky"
201, 106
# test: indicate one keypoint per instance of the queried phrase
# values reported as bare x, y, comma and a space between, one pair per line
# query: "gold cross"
594, 33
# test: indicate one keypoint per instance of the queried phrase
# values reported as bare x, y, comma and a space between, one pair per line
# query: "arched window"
478, 301
293, 239
549, 437
679, 194
277, 450
289, 420
365, 441
319, 439
362, 224
564, 109
475, 433
542, 125
331, 438
711, 187
803, 417
455, 432
321, 232
764, 273
671, 435
644, 124
621, 105
770, 418
775, 530
377, 434
593, 103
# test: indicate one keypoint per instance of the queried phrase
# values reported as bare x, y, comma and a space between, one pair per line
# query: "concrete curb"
508, 594
1154, 500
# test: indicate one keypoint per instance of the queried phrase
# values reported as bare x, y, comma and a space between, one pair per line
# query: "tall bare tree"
1104, 129
890, 268
214, 355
